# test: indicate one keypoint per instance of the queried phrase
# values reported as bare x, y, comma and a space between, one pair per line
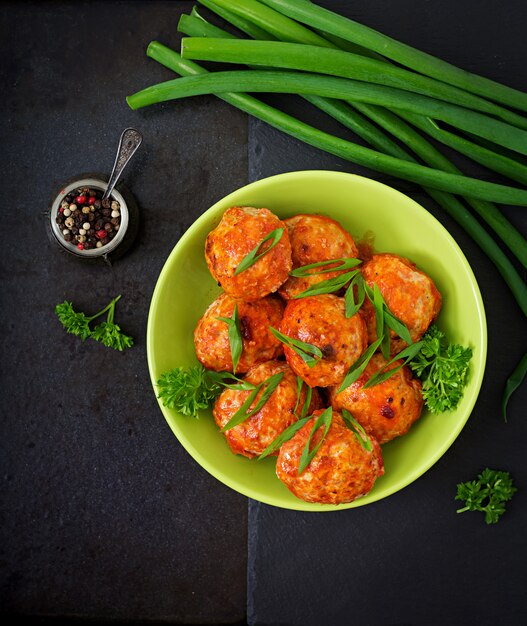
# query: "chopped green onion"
329, 285
243, 412
255, 254
357, 429
342, 264
359, 366
235, 336
284, 436
309, 353
324, 419
307, 402
353, 305
384, 373
221, 378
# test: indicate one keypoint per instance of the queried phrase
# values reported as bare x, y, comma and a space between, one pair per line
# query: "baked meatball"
321, 321
211, 336
252, 436
386, 410
341, 471
409, 293
240, 231
315, 238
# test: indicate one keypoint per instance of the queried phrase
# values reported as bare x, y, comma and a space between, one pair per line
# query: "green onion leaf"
396, 325
327, 286
343, 264
382, 333
383, 374
357, 429
255, 254
286, 435
243, 412
307, 401
352, 305
222, 378
235, 337
324, 419
359, 366
513, 382
309, 353
299, 385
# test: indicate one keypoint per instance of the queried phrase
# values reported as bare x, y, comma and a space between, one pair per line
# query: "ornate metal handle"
130, 140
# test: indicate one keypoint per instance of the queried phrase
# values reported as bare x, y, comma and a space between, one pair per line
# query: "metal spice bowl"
127, 229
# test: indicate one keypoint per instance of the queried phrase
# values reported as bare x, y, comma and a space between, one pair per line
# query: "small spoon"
130, 140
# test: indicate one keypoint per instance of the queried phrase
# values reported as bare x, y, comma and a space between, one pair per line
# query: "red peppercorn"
61, 210
100, 234
92, 200
80, 200
80, 246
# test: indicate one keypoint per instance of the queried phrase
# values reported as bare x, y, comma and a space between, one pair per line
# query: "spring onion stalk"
298, 56
226, 82
432, 157
342, 112
484, 156
267, 19
319, 18
352, 119
284, 122
239, 21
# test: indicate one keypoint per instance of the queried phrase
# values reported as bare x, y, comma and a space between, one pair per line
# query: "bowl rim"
196, 453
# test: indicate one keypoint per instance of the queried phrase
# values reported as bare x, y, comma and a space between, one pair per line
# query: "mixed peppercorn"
86, 220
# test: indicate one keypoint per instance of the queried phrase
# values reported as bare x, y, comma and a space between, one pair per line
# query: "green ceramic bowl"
400, 225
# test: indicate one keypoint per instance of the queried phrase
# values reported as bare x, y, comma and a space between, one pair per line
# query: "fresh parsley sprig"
188, 390
257, 252
108, 333
235, 336
309, 353
442, 368
488, 494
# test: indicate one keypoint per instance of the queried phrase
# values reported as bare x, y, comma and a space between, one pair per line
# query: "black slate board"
409, 559
103, 514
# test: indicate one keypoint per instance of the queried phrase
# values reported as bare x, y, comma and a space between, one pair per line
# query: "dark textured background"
103, 514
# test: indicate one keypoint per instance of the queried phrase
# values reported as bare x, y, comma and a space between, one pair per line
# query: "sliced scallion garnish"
327, 286
357, 430
359, 366
324, 419
383, 374
284, 436
354, 304
243, 412
343, 264
255, 255
309, 353
235, 337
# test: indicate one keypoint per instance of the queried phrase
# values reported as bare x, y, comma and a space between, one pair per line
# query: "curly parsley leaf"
188, 390
442, 368
109, 334
488, 494
74, 322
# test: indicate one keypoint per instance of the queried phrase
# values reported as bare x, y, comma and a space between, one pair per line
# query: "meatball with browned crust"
211, 336
409, 293
321, 321
315, 238
251, 437
342, 469
386, 410
240, 231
